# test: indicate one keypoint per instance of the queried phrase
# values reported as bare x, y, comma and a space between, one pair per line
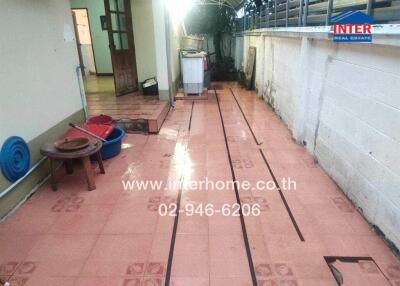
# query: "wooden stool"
49, 150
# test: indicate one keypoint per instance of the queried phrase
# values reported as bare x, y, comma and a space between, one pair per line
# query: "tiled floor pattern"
215, 243
101, 99
116, 237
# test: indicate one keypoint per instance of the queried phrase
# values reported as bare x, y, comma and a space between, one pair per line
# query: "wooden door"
122, 47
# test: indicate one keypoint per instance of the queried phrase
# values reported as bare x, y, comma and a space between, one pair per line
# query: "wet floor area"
296, 228
134, 112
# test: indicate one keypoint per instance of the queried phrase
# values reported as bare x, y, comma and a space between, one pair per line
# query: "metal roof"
234, 3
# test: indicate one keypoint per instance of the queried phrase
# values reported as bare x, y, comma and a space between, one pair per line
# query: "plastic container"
192, 43
112, 147
101, 130
150, 86
100, 119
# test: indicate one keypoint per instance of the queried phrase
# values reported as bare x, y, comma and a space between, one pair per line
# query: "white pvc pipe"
16, 183
83, 99
82, 90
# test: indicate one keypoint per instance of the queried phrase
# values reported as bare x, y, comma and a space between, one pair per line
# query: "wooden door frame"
78, 45
108, 21
91, 35
130, 34
131, 40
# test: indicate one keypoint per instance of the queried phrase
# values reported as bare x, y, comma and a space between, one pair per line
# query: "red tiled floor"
48, 281
62, 246
132, 246
102, 100
15, 248
193, 281
113, 236
89, 220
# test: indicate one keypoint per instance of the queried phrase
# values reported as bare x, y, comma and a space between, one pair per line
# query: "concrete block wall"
342, 101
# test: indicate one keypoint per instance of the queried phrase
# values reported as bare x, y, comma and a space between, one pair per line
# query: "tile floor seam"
100, 233
293, 219
245, 118
176, 220
295, 225
242, 221
94, 245
220, 258
158, 217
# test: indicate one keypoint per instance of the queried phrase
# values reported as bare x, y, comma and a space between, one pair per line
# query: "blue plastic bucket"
112, 147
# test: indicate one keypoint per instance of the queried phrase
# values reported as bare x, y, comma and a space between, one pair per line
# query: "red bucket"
100, 119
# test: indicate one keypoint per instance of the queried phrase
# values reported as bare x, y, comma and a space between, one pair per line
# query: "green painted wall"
24, 188
99, 37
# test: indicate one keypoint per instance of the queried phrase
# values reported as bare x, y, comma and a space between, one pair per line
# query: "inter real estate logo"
352, 26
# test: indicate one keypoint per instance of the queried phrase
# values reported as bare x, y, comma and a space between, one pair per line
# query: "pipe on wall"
81, 91
34, 167
16, 183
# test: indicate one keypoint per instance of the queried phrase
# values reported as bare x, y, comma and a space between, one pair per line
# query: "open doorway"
114, 89
84, 41
116, 57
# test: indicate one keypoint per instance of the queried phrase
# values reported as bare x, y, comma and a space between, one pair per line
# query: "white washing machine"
192, 73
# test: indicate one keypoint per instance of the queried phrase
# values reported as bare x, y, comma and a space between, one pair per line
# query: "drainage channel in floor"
352, 271
292, 218
209, 247
178, 203
242, 220
245, 119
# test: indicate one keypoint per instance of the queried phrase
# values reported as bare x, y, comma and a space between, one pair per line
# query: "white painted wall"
175, 34
160, 44
167, 50
143, 30
343, 102
39, 87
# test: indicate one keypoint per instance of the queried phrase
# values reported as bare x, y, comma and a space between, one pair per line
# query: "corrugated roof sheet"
234, 3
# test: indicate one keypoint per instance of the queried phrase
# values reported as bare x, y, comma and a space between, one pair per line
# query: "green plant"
212, 19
